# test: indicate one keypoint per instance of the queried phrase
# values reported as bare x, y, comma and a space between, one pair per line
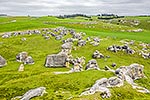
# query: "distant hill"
73, 15
3, 14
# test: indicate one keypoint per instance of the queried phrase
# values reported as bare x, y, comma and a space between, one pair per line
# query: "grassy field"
62, 87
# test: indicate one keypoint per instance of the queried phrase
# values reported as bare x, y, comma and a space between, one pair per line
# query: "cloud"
57, 7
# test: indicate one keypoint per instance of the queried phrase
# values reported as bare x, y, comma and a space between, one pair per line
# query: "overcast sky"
60, 7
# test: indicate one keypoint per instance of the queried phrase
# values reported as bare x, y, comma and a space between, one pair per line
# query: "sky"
61, 7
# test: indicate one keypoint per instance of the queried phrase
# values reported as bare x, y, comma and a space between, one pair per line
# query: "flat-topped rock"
56, 60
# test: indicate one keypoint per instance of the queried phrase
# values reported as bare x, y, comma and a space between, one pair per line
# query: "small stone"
21, 68
114, 65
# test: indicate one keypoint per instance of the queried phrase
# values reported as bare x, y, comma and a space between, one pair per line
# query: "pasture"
65, 86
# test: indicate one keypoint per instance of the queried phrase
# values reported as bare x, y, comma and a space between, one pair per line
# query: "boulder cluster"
125, 48
29, 32
23, 57
97, 55
145, 55
124, 73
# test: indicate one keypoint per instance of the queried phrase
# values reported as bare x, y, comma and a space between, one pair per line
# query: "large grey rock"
56, 60
21, 56
92, 64
131, 73
102, 85
3, 62
134, 71
66, 48
29, 60
124, 73
32, 93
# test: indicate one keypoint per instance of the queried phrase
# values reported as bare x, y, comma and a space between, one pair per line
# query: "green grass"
144, 22
61, 87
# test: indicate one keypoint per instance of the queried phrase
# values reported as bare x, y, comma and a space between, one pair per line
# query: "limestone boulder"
21, 56
40, 91
29, 60
92, 64
134, 71
3, 62
56, 60
102, 85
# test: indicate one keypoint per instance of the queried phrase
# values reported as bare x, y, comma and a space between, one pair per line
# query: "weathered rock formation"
56, 60
97, 55
124, 73
125, 48
23, 57
92, 64
32, 93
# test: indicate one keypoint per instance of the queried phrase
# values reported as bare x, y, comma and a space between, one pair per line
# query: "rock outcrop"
124, 73
32, 93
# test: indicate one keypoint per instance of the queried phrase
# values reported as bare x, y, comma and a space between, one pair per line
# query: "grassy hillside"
62, 87
91, 27
143, 22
